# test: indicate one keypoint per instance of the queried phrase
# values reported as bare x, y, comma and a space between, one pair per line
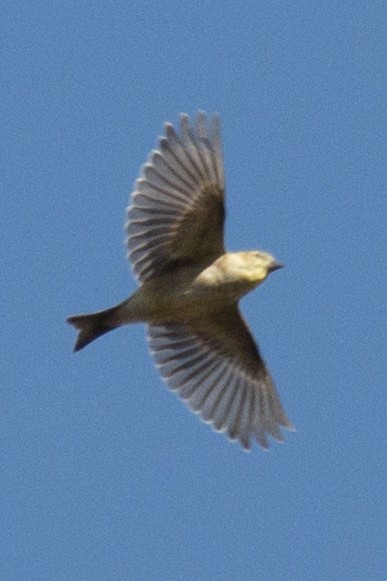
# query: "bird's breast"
187, 293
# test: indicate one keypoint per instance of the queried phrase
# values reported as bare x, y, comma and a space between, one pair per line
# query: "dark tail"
92, 326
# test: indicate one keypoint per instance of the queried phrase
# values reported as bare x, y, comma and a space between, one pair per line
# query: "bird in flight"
189, 288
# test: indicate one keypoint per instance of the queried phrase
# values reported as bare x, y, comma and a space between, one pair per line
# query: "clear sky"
105, 475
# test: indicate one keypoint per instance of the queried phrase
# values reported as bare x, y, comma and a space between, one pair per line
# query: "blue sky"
105, 474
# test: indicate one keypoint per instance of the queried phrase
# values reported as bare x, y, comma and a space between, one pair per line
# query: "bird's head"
255, 266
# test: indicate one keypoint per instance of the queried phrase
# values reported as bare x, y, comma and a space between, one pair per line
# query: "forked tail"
93, 325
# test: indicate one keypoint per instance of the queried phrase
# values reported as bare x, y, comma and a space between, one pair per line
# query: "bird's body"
191, 291
190, 288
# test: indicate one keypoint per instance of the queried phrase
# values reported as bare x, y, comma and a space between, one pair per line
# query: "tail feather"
92, 326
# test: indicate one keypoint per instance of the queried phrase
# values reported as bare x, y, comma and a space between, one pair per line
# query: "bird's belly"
182, 303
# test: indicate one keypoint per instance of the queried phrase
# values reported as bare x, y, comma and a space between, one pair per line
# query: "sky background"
105, 475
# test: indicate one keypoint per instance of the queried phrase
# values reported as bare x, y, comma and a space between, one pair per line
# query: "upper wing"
176, 213
217, 369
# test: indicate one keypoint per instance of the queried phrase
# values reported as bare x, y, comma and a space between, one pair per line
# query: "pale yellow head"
253, 266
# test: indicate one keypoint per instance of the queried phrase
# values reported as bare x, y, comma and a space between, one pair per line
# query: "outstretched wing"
176, 213
216, 368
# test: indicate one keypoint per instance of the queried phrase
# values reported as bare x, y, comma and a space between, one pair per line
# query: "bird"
190, 287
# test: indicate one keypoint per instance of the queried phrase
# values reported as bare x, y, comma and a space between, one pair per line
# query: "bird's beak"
275, 266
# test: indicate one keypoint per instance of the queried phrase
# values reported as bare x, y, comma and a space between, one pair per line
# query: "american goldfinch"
190, 288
